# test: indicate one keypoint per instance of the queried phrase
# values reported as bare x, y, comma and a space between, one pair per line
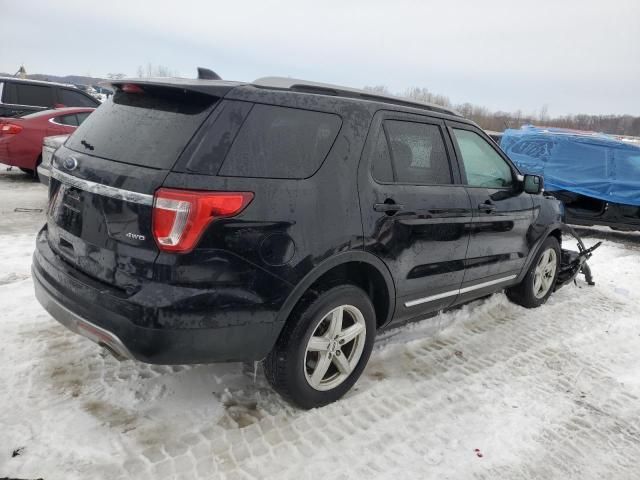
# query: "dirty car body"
308, 186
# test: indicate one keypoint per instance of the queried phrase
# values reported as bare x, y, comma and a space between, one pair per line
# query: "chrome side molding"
451, 293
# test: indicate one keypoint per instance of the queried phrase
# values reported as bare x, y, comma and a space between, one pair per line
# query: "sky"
570, 56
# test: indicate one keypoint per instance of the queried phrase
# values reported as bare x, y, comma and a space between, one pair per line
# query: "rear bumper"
111, 319
77, 324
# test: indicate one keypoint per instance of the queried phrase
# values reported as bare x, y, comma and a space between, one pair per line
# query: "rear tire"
323, 348
540, 280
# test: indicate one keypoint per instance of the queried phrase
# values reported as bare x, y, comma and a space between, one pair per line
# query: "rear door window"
33, 95
412, 153
150, 128
70, 98
281, 142
382, 167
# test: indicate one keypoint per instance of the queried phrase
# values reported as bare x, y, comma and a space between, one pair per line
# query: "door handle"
388, 208
487, 207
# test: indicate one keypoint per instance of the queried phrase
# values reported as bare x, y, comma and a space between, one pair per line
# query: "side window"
382, 168
82, 117
417, 152
209, 148
9, 93
68, 120
69, 98
281, 142
483, 165
34, 95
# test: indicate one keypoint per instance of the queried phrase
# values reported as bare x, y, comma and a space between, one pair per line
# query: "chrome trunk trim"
99, 189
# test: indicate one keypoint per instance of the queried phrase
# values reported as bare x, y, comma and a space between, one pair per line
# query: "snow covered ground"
500, 393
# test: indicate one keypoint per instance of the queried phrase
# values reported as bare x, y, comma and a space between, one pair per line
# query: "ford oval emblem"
70, 163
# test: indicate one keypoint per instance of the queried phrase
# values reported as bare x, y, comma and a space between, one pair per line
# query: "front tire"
323, 348
540, 280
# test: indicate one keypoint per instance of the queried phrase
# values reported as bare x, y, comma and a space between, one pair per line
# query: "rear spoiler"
216, 88
208, 82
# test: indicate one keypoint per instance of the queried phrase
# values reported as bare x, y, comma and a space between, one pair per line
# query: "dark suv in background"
20, 97
195, 221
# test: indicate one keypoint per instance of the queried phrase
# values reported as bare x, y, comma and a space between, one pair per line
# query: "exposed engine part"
572, 263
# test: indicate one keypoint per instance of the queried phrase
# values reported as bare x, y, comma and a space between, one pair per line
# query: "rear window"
149, 129
281, 142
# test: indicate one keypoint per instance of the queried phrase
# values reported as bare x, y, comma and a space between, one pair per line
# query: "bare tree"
544, 111
151, 70
115, 76
424, 95
498, 121
378, 90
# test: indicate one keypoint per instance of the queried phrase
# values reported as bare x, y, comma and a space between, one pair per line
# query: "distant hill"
74, 79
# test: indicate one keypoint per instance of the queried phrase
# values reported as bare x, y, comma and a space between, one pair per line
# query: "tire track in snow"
538, 392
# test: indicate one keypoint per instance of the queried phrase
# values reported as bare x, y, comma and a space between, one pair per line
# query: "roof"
294, 84
28, 80
283, 83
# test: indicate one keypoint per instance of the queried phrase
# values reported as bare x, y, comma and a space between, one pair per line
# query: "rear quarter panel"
292, 225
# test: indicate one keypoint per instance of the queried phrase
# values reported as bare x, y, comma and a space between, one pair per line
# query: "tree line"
499, 121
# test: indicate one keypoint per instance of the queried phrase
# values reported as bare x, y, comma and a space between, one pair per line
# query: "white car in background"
49, 145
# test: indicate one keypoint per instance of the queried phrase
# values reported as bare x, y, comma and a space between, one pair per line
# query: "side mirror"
533, 184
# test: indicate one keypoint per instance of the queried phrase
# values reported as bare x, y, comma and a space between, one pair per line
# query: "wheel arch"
353, 267
555, 230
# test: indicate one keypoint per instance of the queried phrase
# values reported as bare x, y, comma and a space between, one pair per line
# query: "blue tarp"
592, 164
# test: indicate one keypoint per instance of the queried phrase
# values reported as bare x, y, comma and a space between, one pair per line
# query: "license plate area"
67, 209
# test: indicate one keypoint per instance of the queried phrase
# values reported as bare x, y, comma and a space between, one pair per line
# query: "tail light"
10, 128
131, 88
180, 216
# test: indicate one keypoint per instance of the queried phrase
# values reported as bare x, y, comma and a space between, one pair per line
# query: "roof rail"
43, 82
284, 83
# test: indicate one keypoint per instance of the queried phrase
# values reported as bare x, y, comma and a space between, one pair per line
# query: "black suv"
20, 97
195, 221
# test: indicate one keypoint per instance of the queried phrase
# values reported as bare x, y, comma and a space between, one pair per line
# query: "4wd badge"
135, 236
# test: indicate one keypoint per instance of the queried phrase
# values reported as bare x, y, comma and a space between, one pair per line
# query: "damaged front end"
572, 263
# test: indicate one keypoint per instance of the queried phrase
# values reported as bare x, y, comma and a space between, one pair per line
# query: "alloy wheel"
545, 273
335, 347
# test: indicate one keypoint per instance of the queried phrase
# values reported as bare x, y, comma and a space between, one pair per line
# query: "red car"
21, 138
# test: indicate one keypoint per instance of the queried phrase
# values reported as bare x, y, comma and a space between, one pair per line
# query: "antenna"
207, 74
